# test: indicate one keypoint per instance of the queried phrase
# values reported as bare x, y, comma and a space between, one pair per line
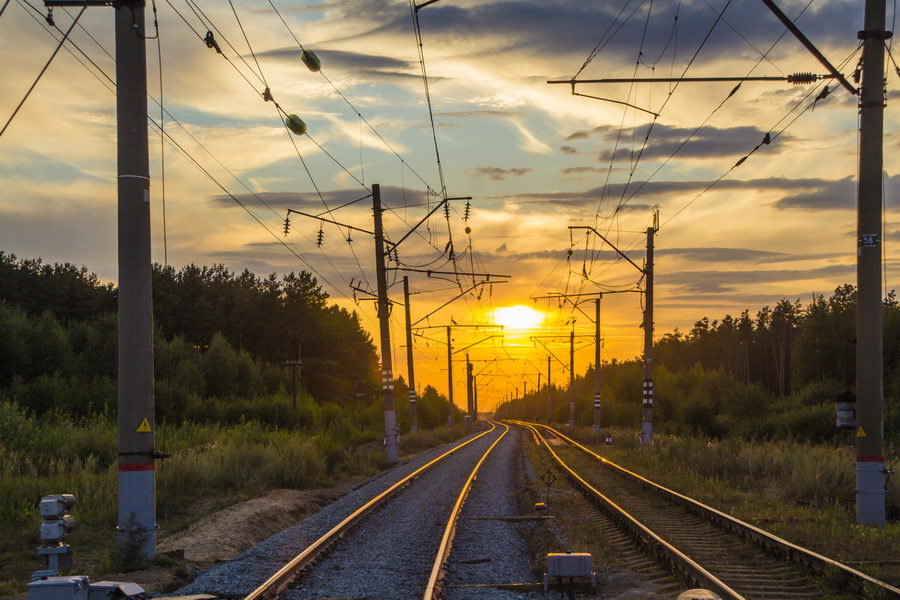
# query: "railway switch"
698, 594
569, 565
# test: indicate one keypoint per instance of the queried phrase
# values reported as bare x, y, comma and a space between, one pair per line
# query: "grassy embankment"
213, 463
799, 491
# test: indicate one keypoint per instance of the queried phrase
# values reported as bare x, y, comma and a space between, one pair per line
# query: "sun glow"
518, 317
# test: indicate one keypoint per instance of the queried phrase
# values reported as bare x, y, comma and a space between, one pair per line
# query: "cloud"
828, 195
569, 150
570, 27
837, 194
311, 200
705, 142
717, 281
498, 174
725, 254
670, 188
479, 114
340, 59
576, 170
363, 66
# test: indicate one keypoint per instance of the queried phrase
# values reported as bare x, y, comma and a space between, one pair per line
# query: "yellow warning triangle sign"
860, 432
144, 427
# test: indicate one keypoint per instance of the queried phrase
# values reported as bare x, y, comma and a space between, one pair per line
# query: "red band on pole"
136, 466
879, 459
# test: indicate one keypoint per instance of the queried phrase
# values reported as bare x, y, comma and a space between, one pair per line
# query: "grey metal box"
73, 587
116, 590
569, 564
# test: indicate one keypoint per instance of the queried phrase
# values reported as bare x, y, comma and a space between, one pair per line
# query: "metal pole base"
647, 433
870, 493
390, 438
137, 499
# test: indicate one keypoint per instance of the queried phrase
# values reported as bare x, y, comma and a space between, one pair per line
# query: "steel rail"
432, 589
275, 584
678, 560
789, 550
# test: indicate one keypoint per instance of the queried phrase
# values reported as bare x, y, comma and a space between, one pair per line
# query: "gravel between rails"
487, 551
389, 555
239, 577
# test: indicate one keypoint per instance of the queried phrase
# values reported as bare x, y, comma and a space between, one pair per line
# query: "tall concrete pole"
475, 398
572, 378
384, 322
136, 522
410, 367
549, 400
647, 409
597, 344
870, 470
537, 395
450, 374
470, 404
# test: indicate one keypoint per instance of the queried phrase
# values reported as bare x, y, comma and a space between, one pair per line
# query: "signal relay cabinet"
77, 587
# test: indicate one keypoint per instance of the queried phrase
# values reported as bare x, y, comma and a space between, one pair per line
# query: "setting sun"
518, 317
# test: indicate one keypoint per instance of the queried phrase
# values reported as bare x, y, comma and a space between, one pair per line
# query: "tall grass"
803, 492
793, 471
55, 454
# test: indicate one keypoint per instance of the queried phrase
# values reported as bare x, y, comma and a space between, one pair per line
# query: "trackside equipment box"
575, 564
74, 587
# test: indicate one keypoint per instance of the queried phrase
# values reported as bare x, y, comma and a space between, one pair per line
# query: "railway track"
703, 545
287, 582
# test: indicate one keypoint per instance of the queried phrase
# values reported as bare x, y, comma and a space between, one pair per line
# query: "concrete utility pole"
572, 378
474, 398
549, 399
294, 365
647, 272
136, 412
537, 392
470, 404
411, 371
870, 470
384, 322
647, 409
450, 374
597, 345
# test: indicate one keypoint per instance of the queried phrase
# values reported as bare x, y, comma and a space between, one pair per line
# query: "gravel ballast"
390, 554
486, 551
251, 568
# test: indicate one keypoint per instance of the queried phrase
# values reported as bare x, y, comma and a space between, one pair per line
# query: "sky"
534, 158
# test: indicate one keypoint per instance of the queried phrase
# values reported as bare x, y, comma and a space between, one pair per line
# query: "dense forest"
778, 374
221, 342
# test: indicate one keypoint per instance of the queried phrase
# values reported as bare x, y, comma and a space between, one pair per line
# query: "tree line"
776, 374
221, 343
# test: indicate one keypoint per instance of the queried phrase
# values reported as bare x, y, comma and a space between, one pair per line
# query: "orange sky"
534, 158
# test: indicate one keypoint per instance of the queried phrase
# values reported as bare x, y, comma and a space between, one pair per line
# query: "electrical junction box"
846, 414
54, 507
570, 564
698, 594
57, 529
74, 587
116, 590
